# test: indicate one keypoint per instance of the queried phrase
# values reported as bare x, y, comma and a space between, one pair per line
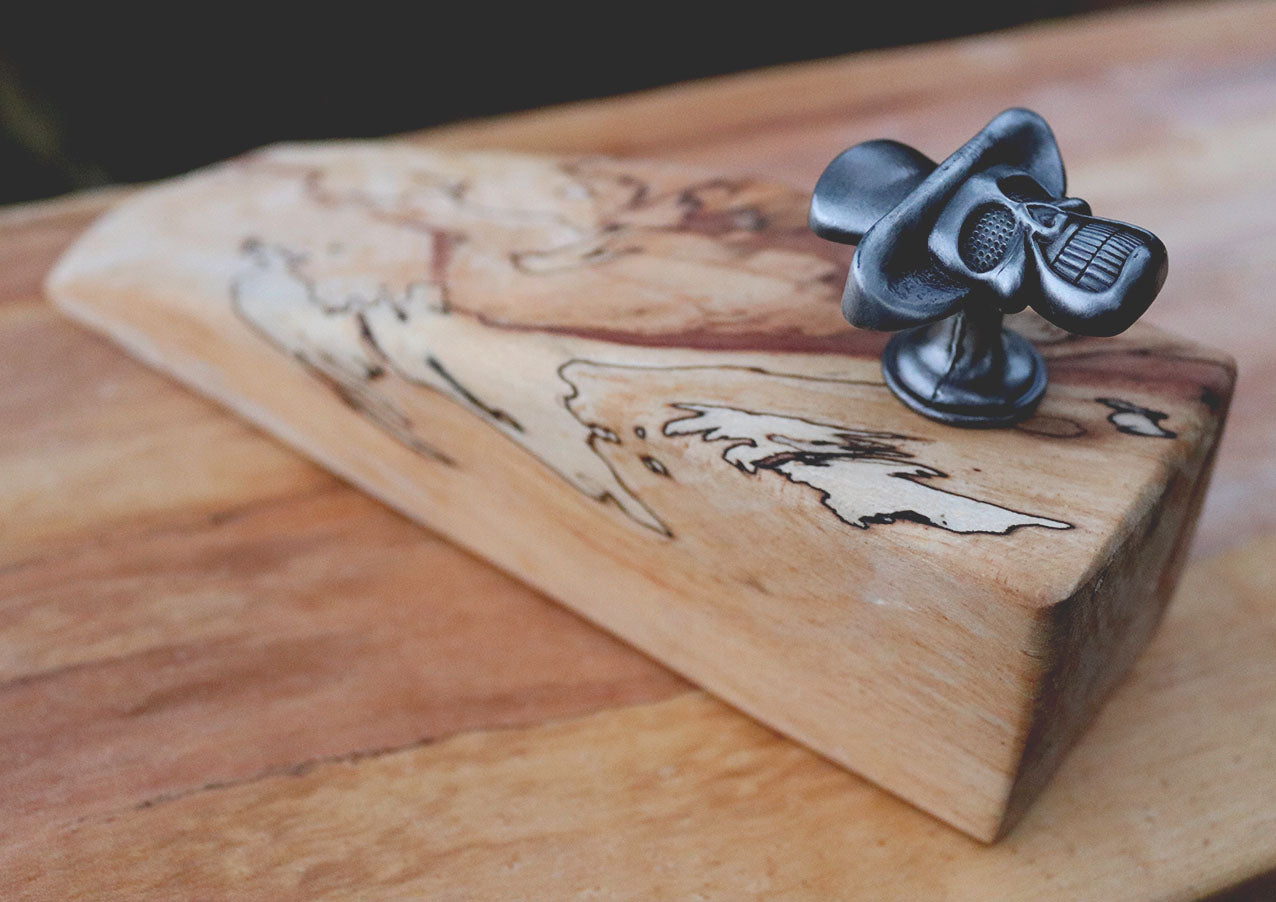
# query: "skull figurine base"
945, 250
966, 370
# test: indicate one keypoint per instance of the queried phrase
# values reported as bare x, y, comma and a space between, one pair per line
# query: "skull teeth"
1093, 256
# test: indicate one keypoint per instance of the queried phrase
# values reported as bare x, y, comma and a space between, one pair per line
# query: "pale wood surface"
598, 374
1166, 113
100, 455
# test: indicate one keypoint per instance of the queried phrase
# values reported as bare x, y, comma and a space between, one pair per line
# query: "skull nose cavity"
1094, 255
1044, 215
985, 237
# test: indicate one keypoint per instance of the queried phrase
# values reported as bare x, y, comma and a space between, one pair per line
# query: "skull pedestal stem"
966, 370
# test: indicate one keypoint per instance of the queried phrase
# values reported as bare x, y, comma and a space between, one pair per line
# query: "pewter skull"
945, 250
1004, 231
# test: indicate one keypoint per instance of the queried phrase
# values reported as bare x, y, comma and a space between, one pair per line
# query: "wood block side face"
632, 387
1091, 639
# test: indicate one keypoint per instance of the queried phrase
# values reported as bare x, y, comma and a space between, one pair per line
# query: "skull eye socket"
986, 236
1022, 189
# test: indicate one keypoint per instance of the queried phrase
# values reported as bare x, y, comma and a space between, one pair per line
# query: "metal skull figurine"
945, 250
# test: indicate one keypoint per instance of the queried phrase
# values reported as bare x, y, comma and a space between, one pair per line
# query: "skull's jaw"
966, 370
1098, 275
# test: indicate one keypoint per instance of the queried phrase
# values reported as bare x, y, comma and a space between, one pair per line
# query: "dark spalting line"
861, 448
365, 333
592, 432
1171, 360
1052, 427
493, 413
381, 414
716, 367
655, 466
845, 342
755, 584
378, 411
579, 169
1153, 417
286, 769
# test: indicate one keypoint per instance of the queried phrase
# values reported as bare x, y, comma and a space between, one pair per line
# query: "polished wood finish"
630, 385
685, 798
1170, 118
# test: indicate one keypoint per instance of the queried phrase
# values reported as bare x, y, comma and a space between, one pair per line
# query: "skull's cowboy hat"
988, 225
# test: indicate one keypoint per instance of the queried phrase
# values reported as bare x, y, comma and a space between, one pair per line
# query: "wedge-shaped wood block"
631, 386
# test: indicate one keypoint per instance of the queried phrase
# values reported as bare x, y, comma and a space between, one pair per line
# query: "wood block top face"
631, 385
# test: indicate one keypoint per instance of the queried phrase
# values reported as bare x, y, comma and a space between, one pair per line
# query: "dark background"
89, 98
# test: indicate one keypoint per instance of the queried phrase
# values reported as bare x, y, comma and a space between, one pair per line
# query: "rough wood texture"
1171, 115
616, 374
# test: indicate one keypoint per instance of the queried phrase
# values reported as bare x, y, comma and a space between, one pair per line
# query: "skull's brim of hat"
893, 283
863, 184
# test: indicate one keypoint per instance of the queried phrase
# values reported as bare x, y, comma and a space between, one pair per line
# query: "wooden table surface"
223, 673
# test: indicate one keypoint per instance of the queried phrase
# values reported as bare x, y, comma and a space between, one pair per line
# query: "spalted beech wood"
631, 385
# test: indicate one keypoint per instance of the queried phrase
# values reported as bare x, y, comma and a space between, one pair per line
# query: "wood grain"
171, 575
220, 641
1166, 114
1169, 115
567, 364
687, 799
